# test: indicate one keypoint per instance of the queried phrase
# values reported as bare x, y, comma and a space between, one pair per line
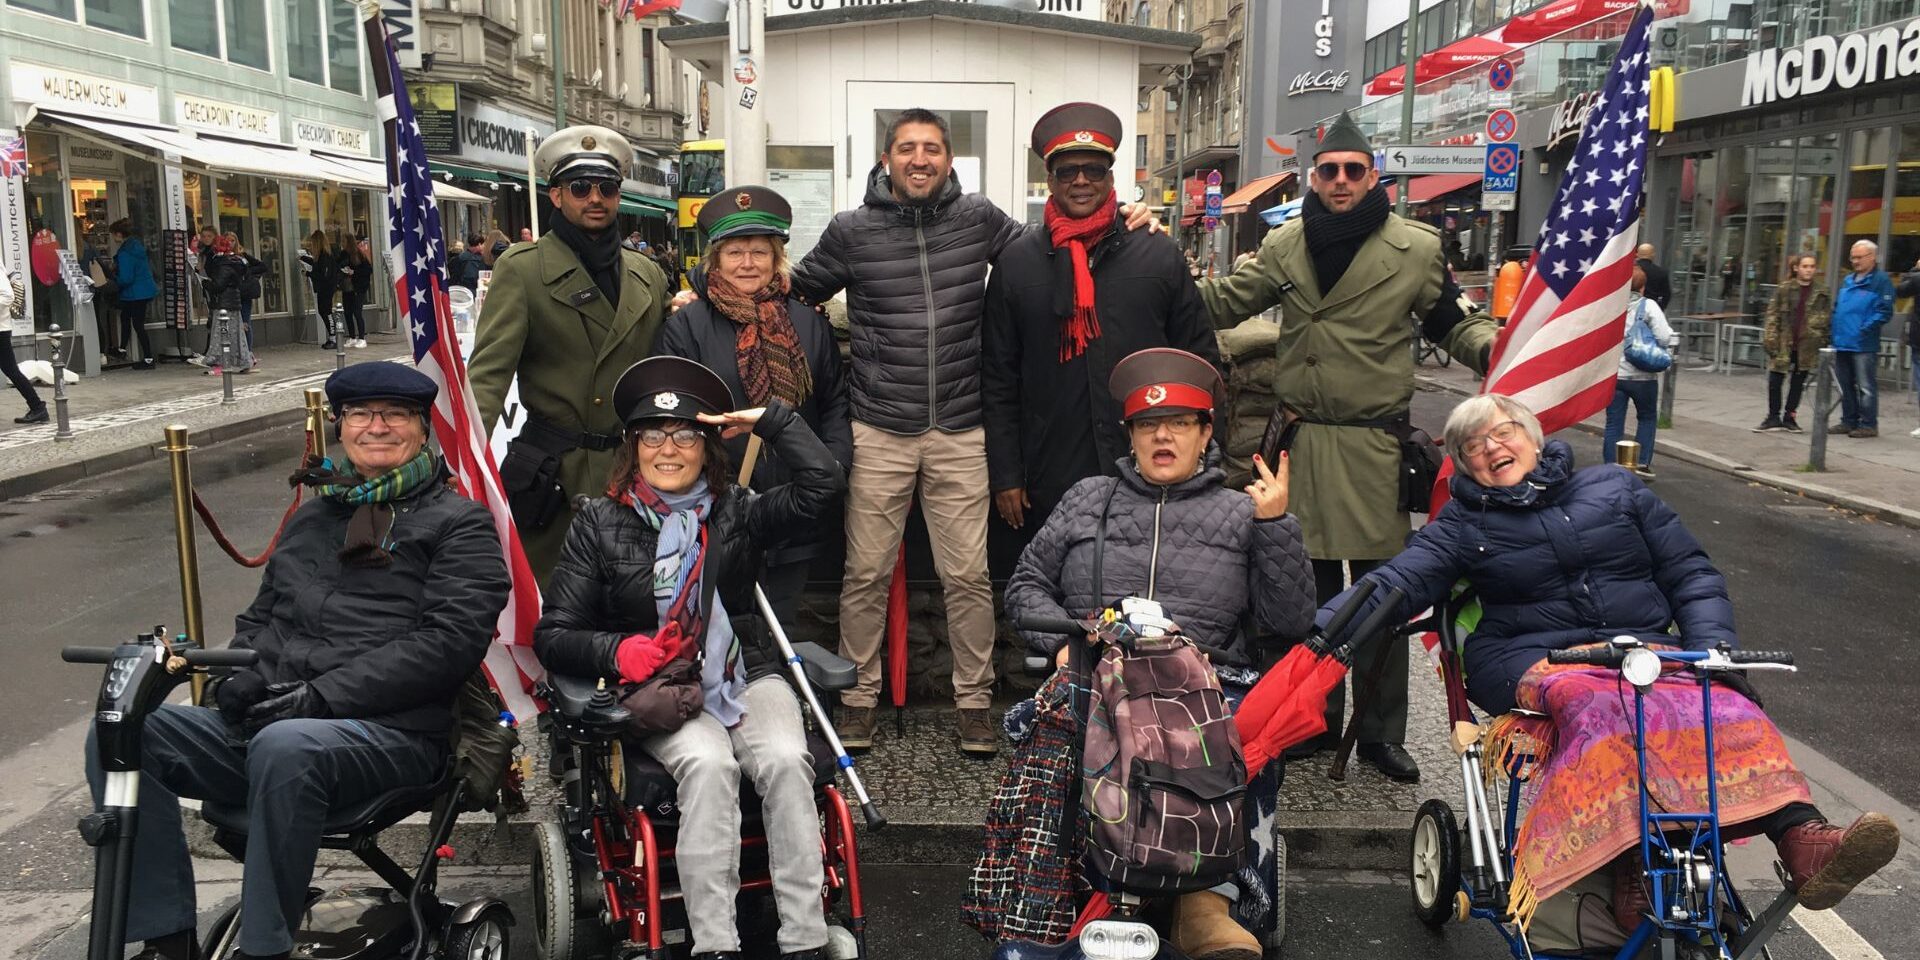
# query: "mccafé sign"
1823, 64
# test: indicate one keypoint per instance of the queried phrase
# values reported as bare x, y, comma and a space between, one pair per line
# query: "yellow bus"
703, 173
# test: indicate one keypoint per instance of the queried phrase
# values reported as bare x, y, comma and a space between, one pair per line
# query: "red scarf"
1083, 326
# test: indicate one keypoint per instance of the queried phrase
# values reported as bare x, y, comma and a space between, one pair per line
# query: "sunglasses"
584, 189
1069, 172
1355, 170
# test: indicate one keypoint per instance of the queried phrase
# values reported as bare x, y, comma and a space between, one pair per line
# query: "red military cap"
1161, 381
1076, 126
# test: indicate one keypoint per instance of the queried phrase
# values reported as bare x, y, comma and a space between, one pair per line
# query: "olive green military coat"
1346, 355
546, 321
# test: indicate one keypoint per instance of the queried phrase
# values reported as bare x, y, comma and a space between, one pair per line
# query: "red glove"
640, 655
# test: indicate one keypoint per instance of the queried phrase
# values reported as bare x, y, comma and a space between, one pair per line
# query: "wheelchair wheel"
566, 927
1435, 859
485, 937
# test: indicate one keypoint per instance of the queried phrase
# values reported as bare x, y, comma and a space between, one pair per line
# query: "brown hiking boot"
1825, 862
1630, 901
1863, 433
978, 732
1204, 930
856, 726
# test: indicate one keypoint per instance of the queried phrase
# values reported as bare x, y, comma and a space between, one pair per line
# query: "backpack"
1162, 774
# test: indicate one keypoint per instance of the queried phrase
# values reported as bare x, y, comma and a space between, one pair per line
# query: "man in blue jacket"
1864, 303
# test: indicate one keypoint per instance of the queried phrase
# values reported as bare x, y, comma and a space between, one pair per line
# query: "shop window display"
266, 216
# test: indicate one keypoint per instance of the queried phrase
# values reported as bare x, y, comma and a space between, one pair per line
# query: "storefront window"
1817, 179
266, 218
247, 33
1867, 158
343, 48
120, 16
234, 208
198, 196
306, 46
194, 26
53, 8
1903, 234
47, 210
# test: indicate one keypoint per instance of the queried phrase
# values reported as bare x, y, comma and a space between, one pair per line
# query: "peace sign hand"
1269, 489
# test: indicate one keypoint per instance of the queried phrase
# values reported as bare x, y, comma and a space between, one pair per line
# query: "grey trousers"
706, 759
289, 775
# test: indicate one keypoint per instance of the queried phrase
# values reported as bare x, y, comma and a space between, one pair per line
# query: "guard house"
833, 78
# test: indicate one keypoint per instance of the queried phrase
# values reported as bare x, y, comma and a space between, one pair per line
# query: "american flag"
418, 262
13, 157
1561, 348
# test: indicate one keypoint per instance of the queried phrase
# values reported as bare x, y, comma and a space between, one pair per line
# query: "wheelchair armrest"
825, 670
574, 698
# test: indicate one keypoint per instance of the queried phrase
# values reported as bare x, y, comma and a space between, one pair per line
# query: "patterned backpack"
1162, 775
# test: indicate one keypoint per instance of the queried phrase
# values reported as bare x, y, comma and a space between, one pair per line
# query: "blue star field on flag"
414, 231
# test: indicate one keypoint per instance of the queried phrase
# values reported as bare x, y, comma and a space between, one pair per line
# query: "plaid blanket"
1026, 885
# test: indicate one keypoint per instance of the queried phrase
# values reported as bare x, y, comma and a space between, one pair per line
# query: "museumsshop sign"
1831, 64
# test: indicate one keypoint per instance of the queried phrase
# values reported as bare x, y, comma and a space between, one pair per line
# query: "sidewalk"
117, 417
1713, 419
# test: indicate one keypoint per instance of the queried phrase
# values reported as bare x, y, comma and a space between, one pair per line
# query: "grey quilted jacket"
1194, 546
916, 282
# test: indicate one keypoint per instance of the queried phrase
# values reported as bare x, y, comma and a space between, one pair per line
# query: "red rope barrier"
220, 536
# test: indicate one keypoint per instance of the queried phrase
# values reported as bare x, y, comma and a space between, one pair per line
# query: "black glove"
238, 691
286, 701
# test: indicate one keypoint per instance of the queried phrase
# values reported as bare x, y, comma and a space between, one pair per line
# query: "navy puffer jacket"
916, 282
1194, 546
1564, 558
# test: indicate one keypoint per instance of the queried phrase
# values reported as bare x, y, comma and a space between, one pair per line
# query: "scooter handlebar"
1377, 620
1761, 656
1061, 625
1604, 656
221, 658
87, 654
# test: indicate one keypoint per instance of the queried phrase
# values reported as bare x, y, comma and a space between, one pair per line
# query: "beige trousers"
949, 470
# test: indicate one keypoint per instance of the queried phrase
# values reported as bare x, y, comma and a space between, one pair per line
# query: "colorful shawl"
370, 529
1584, 790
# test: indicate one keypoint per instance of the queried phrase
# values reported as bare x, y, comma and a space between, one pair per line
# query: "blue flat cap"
380, 380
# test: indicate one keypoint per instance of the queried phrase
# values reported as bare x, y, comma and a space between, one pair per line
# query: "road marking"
1833, 935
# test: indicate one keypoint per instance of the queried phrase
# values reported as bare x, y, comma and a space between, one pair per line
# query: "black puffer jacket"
698, 332
1194, 546
916, 282
601, 591
387, 644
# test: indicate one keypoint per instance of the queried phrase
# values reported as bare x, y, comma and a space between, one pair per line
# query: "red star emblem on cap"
743, 200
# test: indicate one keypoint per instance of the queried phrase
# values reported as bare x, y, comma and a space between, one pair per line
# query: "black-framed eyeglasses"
686, 438
1354, 169
1069, 172
1502, 432
584, 188
1179, 425
391, 416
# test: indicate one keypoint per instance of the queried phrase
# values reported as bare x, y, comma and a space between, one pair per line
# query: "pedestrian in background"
134, 273
497, 244
249, 292
226, 280
358, 271
463, 268
1635, 384
1799, 321
1659, 282
322, 266
36, 407
1863, 305
1909, 288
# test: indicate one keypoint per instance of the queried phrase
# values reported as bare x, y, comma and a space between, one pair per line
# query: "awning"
1239, 200
1422, 189
1460, 55
1388, 82
211, 153
1563, 15
630, 193
470, 173
1275, 216
633, 206
373, 172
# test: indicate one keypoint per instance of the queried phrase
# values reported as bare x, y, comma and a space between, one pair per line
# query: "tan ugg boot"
1204, 930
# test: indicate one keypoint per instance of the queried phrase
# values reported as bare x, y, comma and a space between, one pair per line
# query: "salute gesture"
1269, 489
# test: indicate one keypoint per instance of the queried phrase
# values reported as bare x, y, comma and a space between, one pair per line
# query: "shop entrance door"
981, 118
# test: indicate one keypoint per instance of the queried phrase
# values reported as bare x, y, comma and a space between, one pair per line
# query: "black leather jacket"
601, 591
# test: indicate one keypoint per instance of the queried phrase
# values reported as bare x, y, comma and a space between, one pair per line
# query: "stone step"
935, 799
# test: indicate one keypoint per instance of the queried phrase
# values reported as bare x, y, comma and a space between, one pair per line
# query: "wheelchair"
1461, 872
604, 878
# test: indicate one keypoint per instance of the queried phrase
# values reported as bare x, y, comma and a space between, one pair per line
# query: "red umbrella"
1388, 82
1459, 55
897, 631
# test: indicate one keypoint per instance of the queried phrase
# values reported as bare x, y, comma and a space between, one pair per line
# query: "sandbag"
1254, 337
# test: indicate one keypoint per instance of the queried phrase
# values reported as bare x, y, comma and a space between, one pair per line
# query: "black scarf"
598, 252
1334, 238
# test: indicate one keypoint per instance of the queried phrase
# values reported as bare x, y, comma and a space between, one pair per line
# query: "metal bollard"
317, 421
223, 318
337, 325
63, 428
1626, 453
1669, 378
176, 450
1823, 404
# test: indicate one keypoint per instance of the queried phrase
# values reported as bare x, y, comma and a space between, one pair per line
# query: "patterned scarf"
1077, 235
370, 530
772, 363
679, 561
